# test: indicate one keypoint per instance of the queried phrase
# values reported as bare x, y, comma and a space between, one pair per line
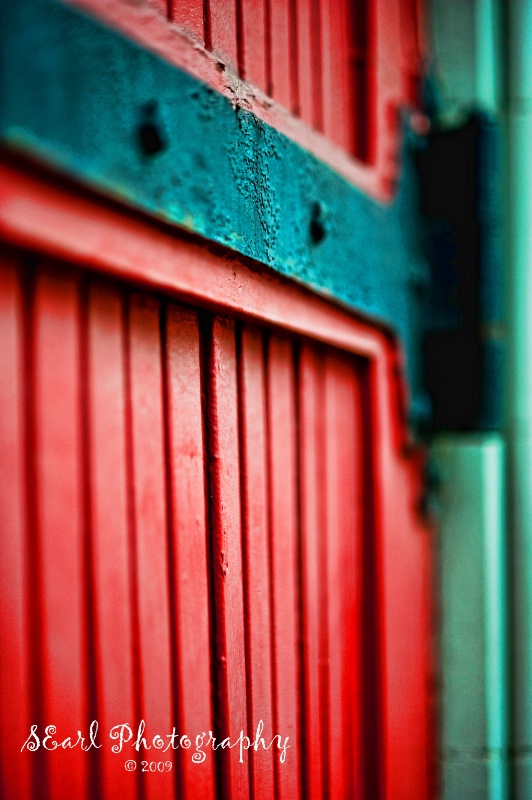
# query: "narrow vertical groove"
218, 710
132, 528
324, 606
294, 58
207, 32
95, 773
173, 610
370, 733
359, 24
302, 676
271, 544
315, 8
268, 45
244, 531
39, 777
240, 44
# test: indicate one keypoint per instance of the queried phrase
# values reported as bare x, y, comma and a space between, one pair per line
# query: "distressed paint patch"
208, 165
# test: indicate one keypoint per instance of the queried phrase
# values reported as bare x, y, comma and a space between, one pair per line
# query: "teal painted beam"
123, 121
473, 618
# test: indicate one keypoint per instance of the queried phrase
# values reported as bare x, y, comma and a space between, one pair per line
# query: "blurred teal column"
472, 558
472, 636
518, 253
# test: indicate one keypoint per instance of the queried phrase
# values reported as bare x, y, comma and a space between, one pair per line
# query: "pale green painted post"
518, 237
469, 57
472, 595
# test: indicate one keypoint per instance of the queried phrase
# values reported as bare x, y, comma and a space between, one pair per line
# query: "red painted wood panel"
344, 529
337, 98
226, 555
15, 664
282, 429
256, 557
309, 62
185, 465
223, 30
108, 514
189, 15
113, 444
312, 453
59, 544
282, 53
150, 535
254, 59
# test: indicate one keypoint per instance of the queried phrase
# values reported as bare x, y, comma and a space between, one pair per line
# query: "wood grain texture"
226, 554
60, 530
284, 523
253, 54
108, 514
150, 532
312, 454
256, 557
189, 15
223, 31
15, 662
344, 499
189, 564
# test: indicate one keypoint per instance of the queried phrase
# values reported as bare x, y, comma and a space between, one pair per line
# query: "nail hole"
151, 138
318, 223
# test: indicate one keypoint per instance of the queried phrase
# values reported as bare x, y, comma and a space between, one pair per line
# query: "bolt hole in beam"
152, 139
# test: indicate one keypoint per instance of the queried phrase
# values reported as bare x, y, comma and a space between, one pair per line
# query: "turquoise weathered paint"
121, 120
473, 618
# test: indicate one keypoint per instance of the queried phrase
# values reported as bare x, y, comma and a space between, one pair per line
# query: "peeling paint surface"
80, 101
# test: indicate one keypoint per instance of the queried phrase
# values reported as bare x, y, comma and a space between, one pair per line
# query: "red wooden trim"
256, 556
151, 31
38, 215
311, 462
282, 430
185, 464
150, 529
226, 555
109, 529
253, 45
60, 525
15, 666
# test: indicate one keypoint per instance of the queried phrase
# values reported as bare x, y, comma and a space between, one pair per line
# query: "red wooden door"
209, 524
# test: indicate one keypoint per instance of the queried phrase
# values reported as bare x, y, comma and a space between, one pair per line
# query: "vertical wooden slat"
15, 677
337, 106
189, 15
109, 528
281, 55
60, 530
343, 490
309, 60
256, 555
253, 46
284, 533
312, 452
189, 543
223, 30
230, 662
150, 526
